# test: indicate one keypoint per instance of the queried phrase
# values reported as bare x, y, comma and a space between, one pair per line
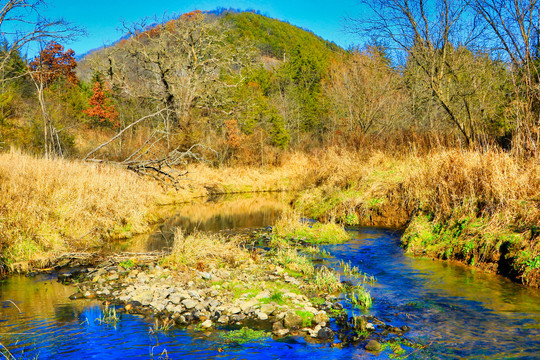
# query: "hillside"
272, 37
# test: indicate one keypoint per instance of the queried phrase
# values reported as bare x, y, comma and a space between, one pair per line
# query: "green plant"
359, 297
127, 264
244, 335
306, 316
161, 325
109, 316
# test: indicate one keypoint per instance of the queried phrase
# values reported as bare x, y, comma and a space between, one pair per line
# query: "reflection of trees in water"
210, 216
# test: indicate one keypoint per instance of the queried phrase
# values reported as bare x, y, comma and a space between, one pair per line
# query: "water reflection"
246, 211
459, 313
463, 313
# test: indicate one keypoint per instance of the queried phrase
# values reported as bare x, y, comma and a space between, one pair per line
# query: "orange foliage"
192, 15
100, 108
52, 63
235, 138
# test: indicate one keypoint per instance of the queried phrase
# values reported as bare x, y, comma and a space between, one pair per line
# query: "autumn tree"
51, 64
101, 110
182, 65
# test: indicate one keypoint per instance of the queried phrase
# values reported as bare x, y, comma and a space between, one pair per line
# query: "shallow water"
460, 313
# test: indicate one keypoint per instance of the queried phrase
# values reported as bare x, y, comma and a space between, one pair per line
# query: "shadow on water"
459, 312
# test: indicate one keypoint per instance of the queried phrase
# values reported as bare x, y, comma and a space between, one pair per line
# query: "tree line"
241, 87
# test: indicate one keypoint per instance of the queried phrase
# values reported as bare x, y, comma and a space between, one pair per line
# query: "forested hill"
276, 38
273, 38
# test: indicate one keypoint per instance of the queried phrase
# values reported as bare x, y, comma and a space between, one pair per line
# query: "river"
455, 311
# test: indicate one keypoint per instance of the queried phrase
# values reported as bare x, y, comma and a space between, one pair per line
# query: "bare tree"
179, 65
364, 90
22, 22
514, 33
430, 33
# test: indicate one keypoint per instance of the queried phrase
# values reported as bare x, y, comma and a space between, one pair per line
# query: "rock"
247, 305
268, 309
89, 295
113, 276
311, 309
394, 329
76, 296
326, 334
263, 295
175, 299
223, 319
157, 305
315, 332
405, 328
144, 297
281, 332
321, 317
206, 276
292, 320
373, 345
370, 327
262, 316
207, 324
278, 325
189, 304
234, 310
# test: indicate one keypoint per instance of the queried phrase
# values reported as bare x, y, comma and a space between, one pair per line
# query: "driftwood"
144, 162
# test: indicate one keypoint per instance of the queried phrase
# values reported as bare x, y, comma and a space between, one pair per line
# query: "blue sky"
102, 18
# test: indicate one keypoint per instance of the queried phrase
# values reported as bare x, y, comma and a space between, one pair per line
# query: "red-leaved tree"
53, 62
101, 110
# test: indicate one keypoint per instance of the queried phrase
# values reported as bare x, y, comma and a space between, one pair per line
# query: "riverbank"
481, 209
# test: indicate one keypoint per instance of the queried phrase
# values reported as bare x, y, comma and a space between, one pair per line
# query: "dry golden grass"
198, 250
53, 206
476, 207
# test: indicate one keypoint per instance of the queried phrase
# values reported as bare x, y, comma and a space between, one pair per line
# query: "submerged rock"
326, 334
373, 345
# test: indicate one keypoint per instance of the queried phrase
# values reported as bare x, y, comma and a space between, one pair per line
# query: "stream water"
460, 313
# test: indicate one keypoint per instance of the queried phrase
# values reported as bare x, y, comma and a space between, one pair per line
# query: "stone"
76, 296
223, 319
282, 332
189, 303
113, 276
321, 317
373, 345
262, 316
89, 295
234, 310
157, 305
370, 327
326, 334
263, 295
268, 309
245, 306
207, 324
292, 320
175, 299
278, 325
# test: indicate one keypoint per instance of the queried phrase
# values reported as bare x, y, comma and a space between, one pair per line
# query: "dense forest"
240, 88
